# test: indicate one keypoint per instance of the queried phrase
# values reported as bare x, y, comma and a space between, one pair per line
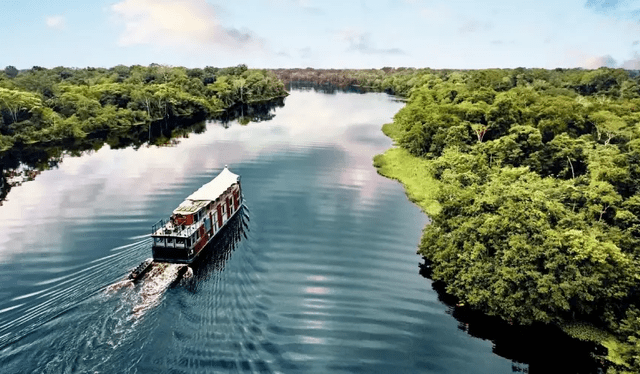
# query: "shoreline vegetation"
25, 163
51, 106
46, 114
531, 178
532, 181
394, 81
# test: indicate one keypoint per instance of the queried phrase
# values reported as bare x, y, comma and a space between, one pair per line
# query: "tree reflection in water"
537, 348
24, 164
215, 255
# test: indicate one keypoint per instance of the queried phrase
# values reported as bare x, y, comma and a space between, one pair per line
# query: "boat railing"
166, 227
157, 226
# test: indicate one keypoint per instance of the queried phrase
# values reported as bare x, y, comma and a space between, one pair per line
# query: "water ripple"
321, 277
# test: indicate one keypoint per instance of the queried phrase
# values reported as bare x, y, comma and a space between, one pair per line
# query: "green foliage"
42, 105
630, 327
18, 104
537, 183
398, 164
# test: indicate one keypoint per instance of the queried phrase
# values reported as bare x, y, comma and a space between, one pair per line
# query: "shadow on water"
325, 88
159, 277
87, 339
533, 349
215, 255
254, 112
24, 163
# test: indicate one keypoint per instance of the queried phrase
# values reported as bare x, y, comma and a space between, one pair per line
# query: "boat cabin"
197, 219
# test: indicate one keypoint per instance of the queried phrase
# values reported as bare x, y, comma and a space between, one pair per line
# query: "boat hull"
189, 255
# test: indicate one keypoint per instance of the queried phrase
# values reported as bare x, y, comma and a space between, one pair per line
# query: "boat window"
188, 242
169, 240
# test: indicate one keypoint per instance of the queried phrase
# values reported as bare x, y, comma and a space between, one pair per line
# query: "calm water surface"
324, 279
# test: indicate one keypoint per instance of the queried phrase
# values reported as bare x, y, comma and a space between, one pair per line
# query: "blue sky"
321, 34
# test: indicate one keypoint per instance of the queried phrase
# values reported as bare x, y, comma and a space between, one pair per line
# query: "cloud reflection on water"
85, 188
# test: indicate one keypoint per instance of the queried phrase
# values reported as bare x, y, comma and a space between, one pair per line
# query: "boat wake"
49, 298
127, 283
145, 291
148, 282
121, 305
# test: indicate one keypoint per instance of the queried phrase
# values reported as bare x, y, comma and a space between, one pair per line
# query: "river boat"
197, 220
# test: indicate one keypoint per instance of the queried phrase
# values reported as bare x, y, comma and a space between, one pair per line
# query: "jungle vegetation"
531, 177
534, 195
42, 105
395, 81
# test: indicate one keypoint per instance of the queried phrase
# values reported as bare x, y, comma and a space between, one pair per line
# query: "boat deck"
168, 229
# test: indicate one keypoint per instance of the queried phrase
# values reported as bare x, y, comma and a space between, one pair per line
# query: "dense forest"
535, 177
48, 113
531, 177
395, 81
51, 105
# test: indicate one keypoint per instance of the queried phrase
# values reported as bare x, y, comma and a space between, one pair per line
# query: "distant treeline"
538, 193
47, 105
395, 81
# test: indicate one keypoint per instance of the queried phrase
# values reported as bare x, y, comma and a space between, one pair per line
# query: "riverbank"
58, 105
416, 174
528, 178
74, 112
343, 243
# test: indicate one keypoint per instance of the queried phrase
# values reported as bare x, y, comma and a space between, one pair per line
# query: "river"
323, 278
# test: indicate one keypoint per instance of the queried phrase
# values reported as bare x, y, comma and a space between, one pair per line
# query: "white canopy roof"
216, 187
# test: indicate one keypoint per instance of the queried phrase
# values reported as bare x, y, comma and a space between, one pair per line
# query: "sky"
457, 34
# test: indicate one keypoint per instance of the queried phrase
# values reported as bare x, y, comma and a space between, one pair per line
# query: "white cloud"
361, 42
632, 64
595, 62
55, 22
179, 23
574, 58
608, 61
